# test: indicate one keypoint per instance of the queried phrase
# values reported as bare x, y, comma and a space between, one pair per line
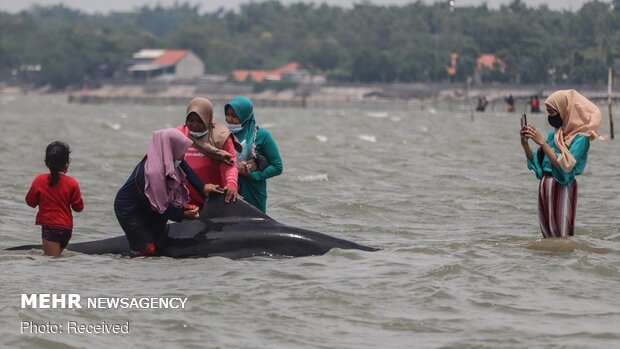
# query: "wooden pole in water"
468, 98
611, 121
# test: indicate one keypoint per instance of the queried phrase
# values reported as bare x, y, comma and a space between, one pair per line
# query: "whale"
232, 230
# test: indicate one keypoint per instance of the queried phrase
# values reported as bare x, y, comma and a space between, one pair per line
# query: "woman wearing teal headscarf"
260, 158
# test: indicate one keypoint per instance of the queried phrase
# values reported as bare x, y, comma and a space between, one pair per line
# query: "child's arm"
76, 201
32, 197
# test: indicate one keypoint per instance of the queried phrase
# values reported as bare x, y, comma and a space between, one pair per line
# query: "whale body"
233, 230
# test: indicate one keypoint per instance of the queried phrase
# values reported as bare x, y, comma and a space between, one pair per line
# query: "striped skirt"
557, 207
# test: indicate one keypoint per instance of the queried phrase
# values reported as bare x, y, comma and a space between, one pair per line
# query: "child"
55, 193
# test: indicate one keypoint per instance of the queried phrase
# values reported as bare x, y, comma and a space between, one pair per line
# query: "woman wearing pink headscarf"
561, 157
155, 193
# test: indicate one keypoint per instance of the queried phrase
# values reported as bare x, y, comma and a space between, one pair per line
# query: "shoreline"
413, 95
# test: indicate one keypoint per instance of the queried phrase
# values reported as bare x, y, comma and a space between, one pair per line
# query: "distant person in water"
482, 104
55, 194
510, 103
213, 154
534, 104
259, 159
561, 157
155, 193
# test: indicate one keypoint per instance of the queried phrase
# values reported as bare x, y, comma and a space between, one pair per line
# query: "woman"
212, 155
560, 158
259, 159
155, 192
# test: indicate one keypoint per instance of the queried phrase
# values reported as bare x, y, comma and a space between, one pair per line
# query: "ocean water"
447, 199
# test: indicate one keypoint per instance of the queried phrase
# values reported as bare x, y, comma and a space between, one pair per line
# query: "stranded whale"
234, 230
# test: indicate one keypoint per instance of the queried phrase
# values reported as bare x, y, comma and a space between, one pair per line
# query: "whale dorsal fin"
215, 207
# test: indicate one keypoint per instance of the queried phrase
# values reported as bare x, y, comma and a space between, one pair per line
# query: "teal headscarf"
244, 109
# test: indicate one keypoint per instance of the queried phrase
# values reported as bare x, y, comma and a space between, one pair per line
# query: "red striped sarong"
557, 207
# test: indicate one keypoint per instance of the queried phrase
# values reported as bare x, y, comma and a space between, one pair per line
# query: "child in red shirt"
55, 194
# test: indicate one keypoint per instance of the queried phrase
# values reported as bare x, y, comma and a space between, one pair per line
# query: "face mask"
234, 128
198, 134
177, 163
555, 120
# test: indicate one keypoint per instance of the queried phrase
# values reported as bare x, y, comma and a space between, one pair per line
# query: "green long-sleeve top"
253, 188
578, 148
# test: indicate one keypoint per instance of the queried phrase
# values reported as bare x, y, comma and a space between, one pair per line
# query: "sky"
105, 6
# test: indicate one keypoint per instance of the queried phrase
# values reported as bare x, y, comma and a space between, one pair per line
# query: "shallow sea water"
448, 200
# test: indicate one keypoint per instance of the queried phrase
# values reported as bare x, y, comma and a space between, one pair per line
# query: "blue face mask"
198, 134
177, 163
234, 128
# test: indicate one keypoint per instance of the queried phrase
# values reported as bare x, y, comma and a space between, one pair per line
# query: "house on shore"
288, 72
177, 64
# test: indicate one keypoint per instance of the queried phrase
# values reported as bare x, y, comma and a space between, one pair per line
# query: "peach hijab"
579, 116
210, 145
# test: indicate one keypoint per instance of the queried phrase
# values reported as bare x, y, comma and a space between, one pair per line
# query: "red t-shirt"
210, 170
55, 202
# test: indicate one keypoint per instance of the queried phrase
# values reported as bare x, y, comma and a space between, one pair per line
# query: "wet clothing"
55, 202
209, 169
557, 207
56, 234
140, 221
557, 191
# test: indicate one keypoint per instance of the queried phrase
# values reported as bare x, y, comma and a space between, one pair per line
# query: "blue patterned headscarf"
244, 109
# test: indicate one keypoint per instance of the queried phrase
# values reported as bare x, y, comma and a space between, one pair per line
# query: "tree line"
60, 46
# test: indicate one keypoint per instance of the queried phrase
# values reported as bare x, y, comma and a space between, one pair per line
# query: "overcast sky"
105, 6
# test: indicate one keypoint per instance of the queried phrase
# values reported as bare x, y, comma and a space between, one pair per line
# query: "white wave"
321, 138
113, 125
322, 177
377, 114
368, 138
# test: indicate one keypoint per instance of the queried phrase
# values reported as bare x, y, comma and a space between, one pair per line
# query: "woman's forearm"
528, 151
550, 154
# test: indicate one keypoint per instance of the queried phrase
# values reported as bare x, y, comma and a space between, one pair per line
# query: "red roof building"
175, 64
242, 75
491, 62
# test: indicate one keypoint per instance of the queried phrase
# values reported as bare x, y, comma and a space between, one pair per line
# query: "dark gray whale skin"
234, 230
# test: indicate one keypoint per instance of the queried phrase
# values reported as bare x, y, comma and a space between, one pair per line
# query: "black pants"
141, 227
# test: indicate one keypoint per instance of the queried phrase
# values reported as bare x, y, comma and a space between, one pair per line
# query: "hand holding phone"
523, 120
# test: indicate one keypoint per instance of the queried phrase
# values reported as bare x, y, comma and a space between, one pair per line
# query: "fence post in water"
611, 120
468, 98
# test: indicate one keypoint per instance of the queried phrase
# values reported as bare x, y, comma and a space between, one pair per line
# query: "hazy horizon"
105, 6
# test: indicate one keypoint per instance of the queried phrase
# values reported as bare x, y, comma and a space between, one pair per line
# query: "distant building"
451, 69
289, 72
491, 62
165, 64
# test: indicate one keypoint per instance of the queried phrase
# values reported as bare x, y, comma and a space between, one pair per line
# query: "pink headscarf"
579, 116
163, 183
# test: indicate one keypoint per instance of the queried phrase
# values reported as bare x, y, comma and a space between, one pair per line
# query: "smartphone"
523, 120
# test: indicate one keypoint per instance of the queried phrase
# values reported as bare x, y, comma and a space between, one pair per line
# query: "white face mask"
234, 128
177, 163
199, 134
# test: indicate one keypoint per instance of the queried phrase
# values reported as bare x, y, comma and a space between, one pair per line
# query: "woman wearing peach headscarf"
561, 157
212, 156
